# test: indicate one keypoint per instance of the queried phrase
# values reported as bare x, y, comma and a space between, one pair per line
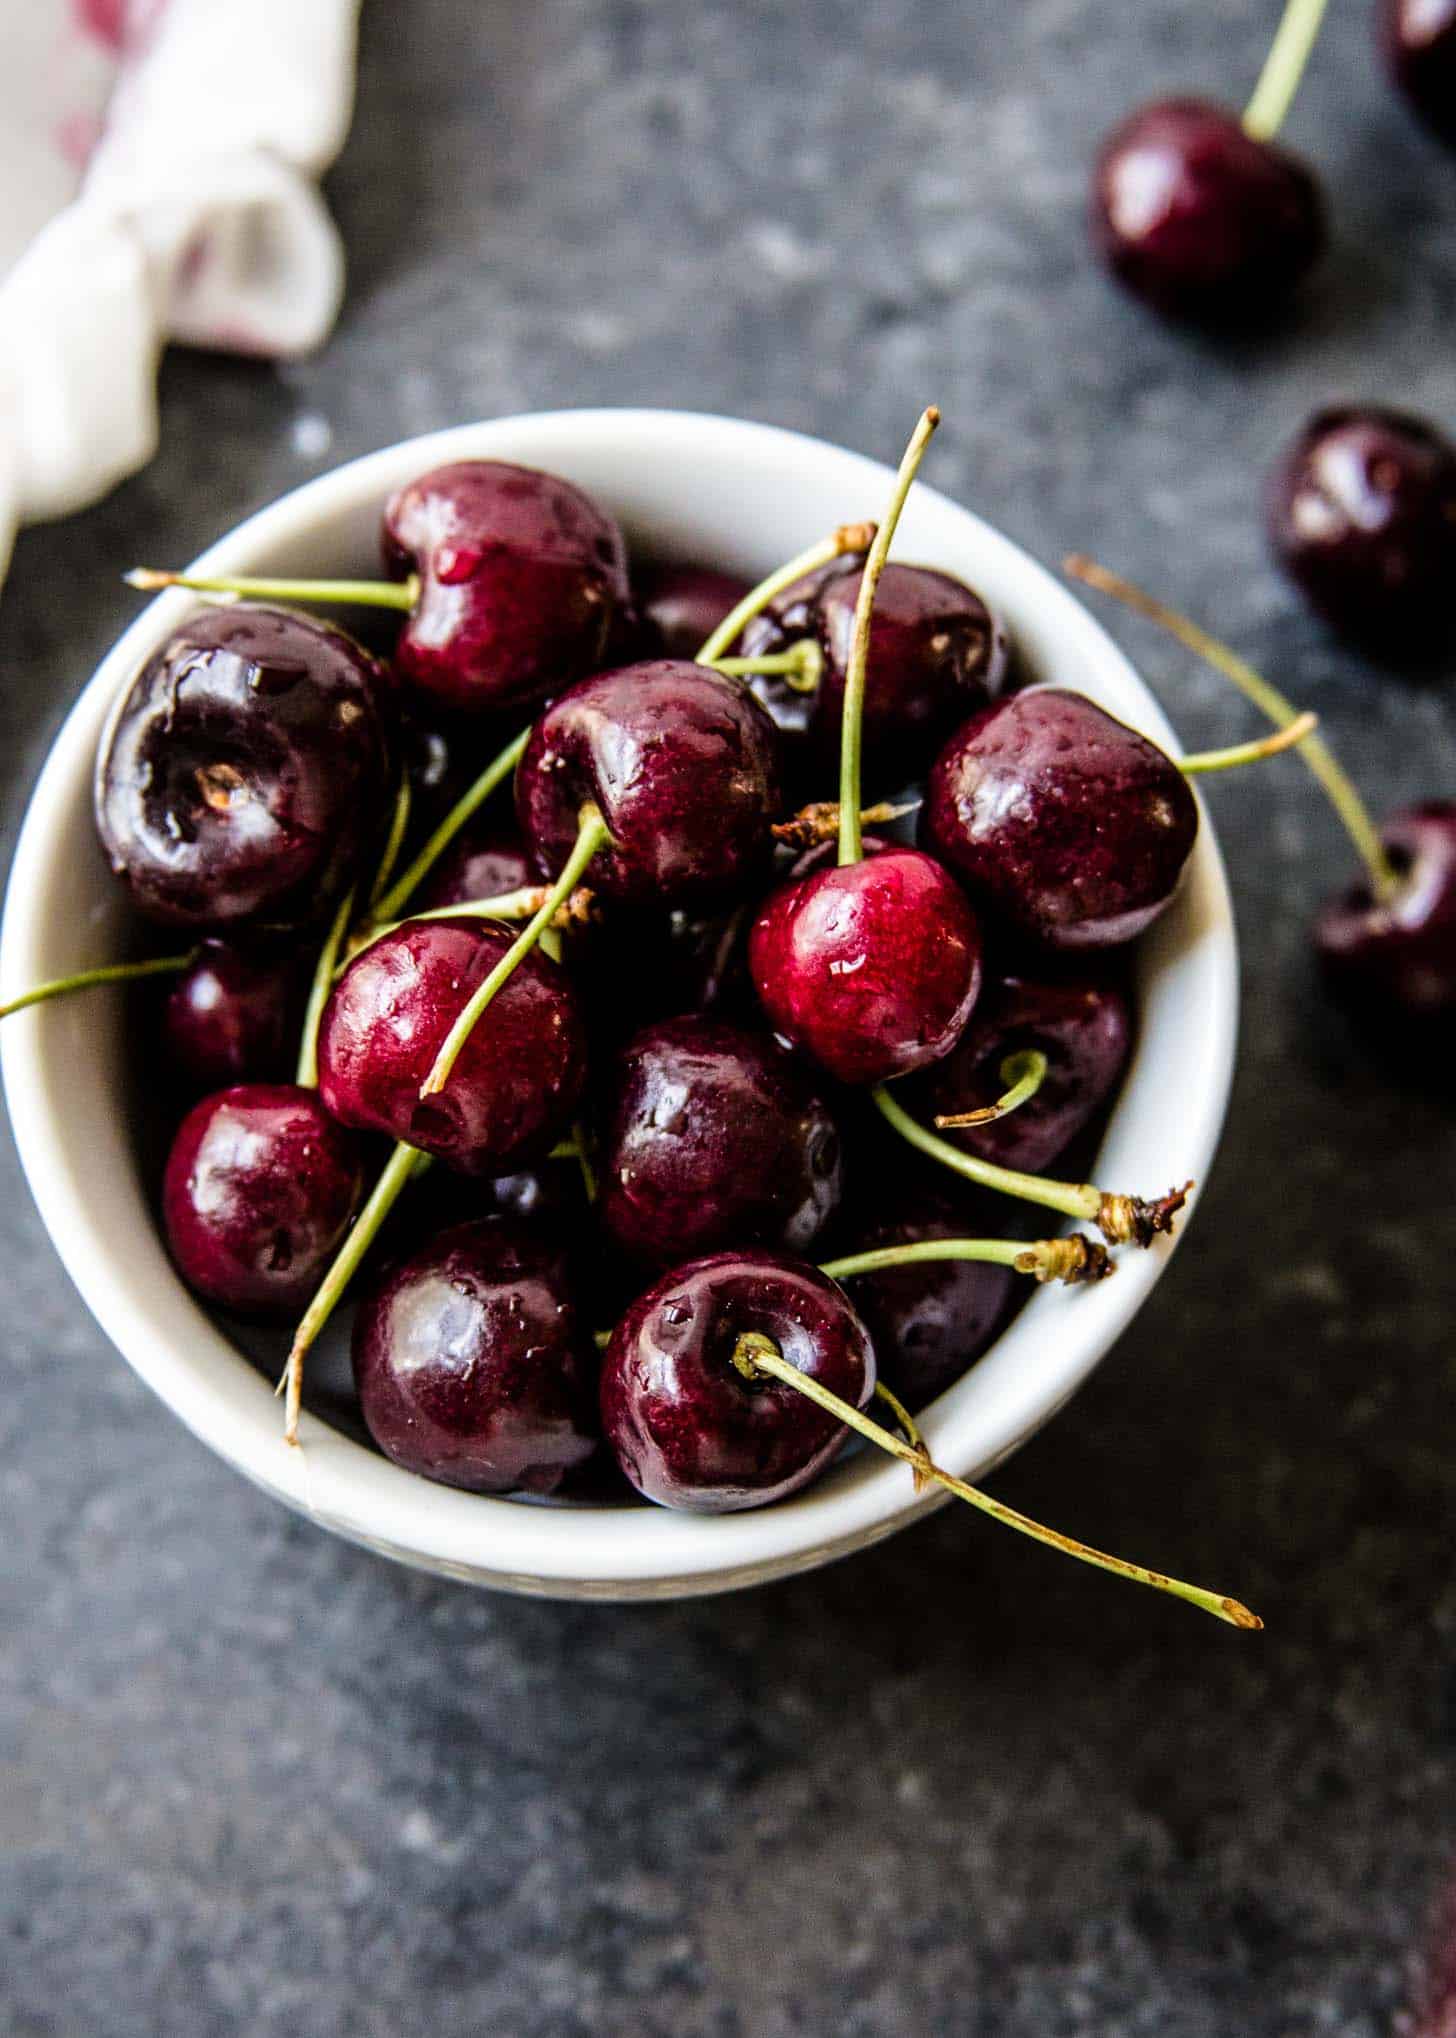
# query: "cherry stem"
393, 843
401, 1167
908, 1427
592, 837
1024, 1073
1283, 68
1339, 788
756, 1356
801, 667
819, 821
578, 911
318, 993
369, 594
1073, 1259
392, 904
851, 728
1122, 1220
848, 538
1201, 762
106, 973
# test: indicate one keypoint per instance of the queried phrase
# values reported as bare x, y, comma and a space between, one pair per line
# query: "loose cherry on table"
472, 1366
510, 581
1197, 211
259, 1189
1418, 38
713, 1136
232, 1016
1362, 517
243, 775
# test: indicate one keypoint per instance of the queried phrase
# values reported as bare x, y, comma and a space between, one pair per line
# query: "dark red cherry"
246, 770
686, 1427
788, 619
682, 762
483, 862
1362, 516
681, 606
1419, 41
516, 1084
232, 1016
520, 577
260, 1186
872, 967
1068, 824
472, 1366
1082, 1025
1201, 220
932, 1319
1399, 959
714, 1137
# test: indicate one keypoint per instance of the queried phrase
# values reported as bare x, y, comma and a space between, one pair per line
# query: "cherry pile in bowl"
668, 1113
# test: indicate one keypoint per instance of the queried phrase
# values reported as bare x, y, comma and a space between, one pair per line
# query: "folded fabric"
157, 166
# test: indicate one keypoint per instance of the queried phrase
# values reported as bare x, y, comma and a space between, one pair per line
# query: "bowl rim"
598, 1552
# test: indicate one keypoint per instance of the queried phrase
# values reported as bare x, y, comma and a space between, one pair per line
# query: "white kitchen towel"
157, 166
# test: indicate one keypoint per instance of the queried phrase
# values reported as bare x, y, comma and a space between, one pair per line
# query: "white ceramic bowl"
745, 497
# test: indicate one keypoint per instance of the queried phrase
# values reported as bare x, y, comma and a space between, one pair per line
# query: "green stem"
401, 1167
1073, 1259
1294, 733
106, 973
1283, 68
395, 899
318, 993
592, 836
1338, 786
1122, 1220
755, 1355
369, 594
394, 842
848, 538
851, 728
517, 905
801, 667
1025, 1073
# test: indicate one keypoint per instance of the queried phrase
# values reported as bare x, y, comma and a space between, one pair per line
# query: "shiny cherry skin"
1070, 826
232, 1016
516, 1085
1419, 41
472, 1366
483, 862
714, 1137
246, 770
930, 1320
1398, 960
520, 577
259, 1190
683, 764
1200, 220
1084, 1027
872, 968
680, 607
685, 1426
1362, 517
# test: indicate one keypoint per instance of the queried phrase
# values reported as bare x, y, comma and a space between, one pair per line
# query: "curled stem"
106, 973
851, 727
1200, 762
756, 1356
1289, 52
1023, 1073
370, 594
318, 993
848, 538
397, 897
1338, 786
1122, 1220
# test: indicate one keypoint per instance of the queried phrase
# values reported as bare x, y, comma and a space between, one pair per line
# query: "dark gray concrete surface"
252, 1780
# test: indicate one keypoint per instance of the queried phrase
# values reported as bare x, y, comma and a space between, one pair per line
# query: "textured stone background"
252, 1780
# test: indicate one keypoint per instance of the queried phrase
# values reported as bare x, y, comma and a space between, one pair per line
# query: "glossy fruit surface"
472, 1366
1419, 41
1362, 516
1400, 958
232, 1016
516, 1084
687, 1429
1199, 219
682, 763
259, 1189
483, 862
520, 577
1070, 826
246, 770
1083, 1026
714, 1137
681, 606
872, 968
